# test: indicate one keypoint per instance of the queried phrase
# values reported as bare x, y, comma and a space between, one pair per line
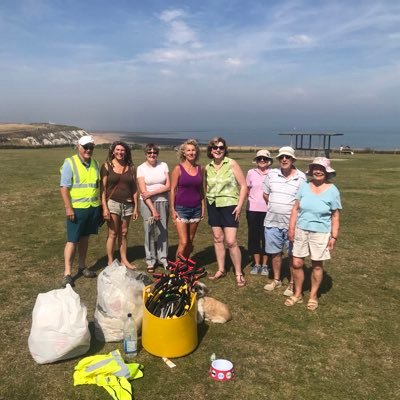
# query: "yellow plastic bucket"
169, 337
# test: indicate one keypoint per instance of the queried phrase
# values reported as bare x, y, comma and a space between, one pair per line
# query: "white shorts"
310, 243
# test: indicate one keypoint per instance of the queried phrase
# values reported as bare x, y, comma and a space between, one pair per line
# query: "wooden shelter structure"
311, 144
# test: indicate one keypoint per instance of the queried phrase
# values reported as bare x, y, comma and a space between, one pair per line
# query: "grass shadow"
135, 252
326, 284
285, 271
95, 345
202, 329
205, 256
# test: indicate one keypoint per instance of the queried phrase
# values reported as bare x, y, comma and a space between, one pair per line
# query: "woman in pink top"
187, 204
256, 210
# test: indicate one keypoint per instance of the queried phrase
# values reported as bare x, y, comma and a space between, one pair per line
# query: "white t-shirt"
154, 178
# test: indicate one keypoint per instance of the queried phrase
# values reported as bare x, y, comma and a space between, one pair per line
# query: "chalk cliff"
39, 135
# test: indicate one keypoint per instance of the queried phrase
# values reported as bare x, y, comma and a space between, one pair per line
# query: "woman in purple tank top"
187, 204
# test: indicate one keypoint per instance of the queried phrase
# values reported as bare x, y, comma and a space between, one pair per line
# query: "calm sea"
379, 139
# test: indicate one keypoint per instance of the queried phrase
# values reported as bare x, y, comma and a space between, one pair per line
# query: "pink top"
254, 180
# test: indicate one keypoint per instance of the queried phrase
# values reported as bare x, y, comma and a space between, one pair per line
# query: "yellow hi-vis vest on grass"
85, 191
110, 372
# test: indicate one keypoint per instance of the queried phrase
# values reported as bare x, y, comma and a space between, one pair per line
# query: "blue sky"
177, 65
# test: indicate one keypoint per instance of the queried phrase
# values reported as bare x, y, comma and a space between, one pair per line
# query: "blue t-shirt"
316, 209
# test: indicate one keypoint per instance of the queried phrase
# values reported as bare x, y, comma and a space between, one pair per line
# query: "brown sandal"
218, 275
240, 282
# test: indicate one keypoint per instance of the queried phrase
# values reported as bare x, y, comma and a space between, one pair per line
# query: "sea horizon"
378, 139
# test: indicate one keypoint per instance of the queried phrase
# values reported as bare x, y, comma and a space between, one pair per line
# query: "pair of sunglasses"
218, 147
285, 156
88, 146
152, 152
262, 159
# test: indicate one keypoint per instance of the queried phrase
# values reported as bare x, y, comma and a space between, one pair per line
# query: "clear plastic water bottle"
130, 337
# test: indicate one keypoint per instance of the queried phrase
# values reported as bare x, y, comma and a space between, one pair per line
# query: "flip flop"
312, 305
292, 300
218, 275
240, 282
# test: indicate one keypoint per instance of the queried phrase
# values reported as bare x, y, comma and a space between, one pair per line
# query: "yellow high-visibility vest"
85, 190
110, 372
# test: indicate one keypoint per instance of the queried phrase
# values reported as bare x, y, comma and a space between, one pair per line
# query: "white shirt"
154, 178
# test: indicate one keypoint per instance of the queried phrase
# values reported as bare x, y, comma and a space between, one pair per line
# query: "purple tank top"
189, 188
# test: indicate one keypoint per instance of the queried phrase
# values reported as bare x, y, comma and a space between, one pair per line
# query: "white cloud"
176, 56
300, 39
171, 15
181, 33
234, 61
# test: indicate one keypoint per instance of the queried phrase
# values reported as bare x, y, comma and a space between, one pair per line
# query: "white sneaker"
264, 270
273, 285
289, 292
255, 269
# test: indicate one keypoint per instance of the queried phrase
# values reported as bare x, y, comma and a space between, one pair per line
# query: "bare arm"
334, 230
241, 180
176, 173
104, 182
204, 191
69, 211
293, 220
148, 201
135, 214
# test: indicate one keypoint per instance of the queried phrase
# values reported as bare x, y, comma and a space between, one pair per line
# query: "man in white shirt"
280, 188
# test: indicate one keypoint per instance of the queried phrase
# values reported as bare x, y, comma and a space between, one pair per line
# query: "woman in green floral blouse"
226, 191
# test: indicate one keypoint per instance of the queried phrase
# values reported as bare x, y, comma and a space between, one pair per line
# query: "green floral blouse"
222, 187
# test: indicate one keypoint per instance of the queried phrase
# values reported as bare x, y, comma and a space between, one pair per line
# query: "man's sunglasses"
152, 152
88, 146
285, 156
218, 147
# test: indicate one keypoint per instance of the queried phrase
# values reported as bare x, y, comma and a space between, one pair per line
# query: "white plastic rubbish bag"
119, 292
59, 326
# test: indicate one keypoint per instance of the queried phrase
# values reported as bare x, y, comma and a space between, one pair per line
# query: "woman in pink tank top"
187, 204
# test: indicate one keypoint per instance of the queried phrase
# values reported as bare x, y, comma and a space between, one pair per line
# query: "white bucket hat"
263, 153
324, 162
286, 151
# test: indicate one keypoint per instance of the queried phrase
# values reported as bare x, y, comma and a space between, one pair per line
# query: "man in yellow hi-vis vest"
80, 191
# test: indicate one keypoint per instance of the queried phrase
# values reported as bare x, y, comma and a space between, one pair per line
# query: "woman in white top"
154, 185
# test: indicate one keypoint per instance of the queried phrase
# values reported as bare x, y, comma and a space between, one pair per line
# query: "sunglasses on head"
88, 146
152, 152
262, 159
218, 147
285, 156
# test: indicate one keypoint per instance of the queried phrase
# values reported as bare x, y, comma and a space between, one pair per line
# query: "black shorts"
221, 216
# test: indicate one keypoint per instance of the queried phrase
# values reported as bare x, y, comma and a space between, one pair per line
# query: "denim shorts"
276, 239
121, 209
188, 215
85, 223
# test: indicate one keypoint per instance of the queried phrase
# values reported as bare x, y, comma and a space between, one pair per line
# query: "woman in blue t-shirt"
314, 228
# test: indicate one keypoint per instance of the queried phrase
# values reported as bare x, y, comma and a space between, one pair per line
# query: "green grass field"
347, 349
